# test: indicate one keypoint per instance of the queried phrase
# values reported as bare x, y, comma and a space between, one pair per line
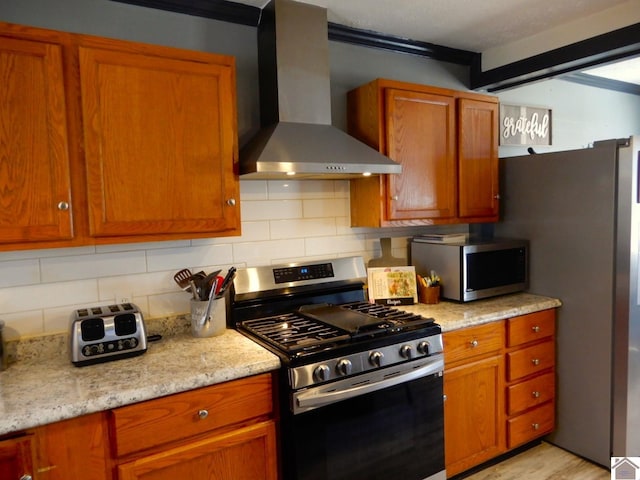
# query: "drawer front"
531, 327
530, 393
530, 425
470, 342
530, 360
155, 422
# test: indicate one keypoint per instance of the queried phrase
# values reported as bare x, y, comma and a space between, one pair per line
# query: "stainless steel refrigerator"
580, 211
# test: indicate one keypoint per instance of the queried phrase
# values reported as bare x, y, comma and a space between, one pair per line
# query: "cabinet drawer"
530, 393
155, 422
530, 327
527, 361
469, 342
530, 425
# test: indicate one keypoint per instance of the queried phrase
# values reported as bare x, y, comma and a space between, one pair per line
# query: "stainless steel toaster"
105, 333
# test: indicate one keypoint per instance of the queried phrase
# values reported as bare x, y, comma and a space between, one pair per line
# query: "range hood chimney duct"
297, 139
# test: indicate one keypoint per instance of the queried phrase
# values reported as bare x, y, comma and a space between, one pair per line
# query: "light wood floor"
543, 462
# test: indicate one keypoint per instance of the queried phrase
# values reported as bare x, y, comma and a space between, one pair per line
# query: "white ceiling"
474, 25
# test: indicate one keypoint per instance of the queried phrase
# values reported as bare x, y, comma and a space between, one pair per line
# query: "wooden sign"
520, 125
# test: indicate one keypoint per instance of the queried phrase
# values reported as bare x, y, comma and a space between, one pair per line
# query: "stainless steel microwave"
474, 270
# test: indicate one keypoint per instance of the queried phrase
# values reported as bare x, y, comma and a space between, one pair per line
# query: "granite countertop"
42, 388
453, 316
40, 391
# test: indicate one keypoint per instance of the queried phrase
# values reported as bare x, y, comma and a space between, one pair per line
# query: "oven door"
393, 428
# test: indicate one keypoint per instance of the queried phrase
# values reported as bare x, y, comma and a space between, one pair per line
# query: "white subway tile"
266, 253
137, 285
22, 324
310, 227
48, 295
189, 257
19, 272
295, 189
124, 247
271, 210
57, 269
336, 207
341, 188
44, 253
253, 190
168, 304
338, 245
253, 232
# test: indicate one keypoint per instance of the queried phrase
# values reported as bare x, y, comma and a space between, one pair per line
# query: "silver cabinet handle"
394, 197
203, 414
535, 328
25, 477
473, 343
535, 394
535, 361
64, 206
496, 196
231, 202
535, 426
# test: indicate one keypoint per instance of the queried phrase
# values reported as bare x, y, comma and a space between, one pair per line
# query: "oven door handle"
331, 393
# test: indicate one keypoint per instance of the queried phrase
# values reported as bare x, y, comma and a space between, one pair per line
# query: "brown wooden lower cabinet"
248, 453
499, 383
224, 431
16, 457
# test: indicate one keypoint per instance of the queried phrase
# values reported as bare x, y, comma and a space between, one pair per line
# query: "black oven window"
394, 433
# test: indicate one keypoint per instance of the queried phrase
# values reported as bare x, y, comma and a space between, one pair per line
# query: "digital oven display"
302, 272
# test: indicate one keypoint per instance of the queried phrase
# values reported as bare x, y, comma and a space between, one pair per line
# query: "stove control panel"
298, 273
365, 361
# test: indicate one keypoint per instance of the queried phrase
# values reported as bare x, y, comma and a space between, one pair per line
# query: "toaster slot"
125, 324
92, 329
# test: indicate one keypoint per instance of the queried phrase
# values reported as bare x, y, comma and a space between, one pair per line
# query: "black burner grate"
292, 332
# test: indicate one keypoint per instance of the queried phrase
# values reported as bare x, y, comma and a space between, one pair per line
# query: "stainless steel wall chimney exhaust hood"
297, 139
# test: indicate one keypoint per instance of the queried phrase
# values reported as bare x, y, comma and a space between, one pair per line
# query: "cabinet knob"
496, 196
231, 202
25, 477
64, 206
535, 361
535, 426
535, 394
473, 343
203, 414
535, 328
394, 197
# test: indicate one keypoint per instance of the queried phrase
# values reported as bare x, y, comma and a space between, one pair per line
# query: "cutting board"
387, 259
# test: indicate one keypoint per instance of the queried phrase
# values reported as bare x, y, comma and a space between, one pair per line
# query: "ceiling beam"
605, 48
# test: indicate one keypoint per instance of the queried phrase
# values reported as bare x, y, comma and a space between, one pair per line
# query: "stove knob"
423, 348
376, 358
406, 351
321, 373
344, 366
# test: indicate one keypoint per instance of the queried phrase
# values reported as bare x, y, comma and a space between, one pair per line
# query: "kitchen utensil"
208, 282
231, 273
182, 278
387, 259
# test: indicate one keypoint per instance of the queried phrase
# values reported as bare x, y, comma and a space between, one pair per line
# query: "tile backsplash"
282, 221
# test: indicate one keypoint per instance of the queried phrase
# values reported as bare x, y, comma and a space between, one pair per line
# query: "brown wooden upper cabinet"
107, 141
447, 143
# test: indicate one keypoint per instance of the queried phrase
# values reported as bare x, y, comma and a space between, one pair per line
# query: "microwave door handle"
317, 397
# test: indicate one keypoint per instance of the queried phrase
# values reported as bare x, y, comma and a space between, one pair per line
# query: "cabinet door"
34, 155
74, 449
421, 137
245, 454
15, 458
473, 421
160, 141
478, 158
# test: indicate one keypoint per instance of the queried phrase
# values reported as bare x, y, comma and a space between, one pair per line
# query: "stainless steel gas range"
361, 384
